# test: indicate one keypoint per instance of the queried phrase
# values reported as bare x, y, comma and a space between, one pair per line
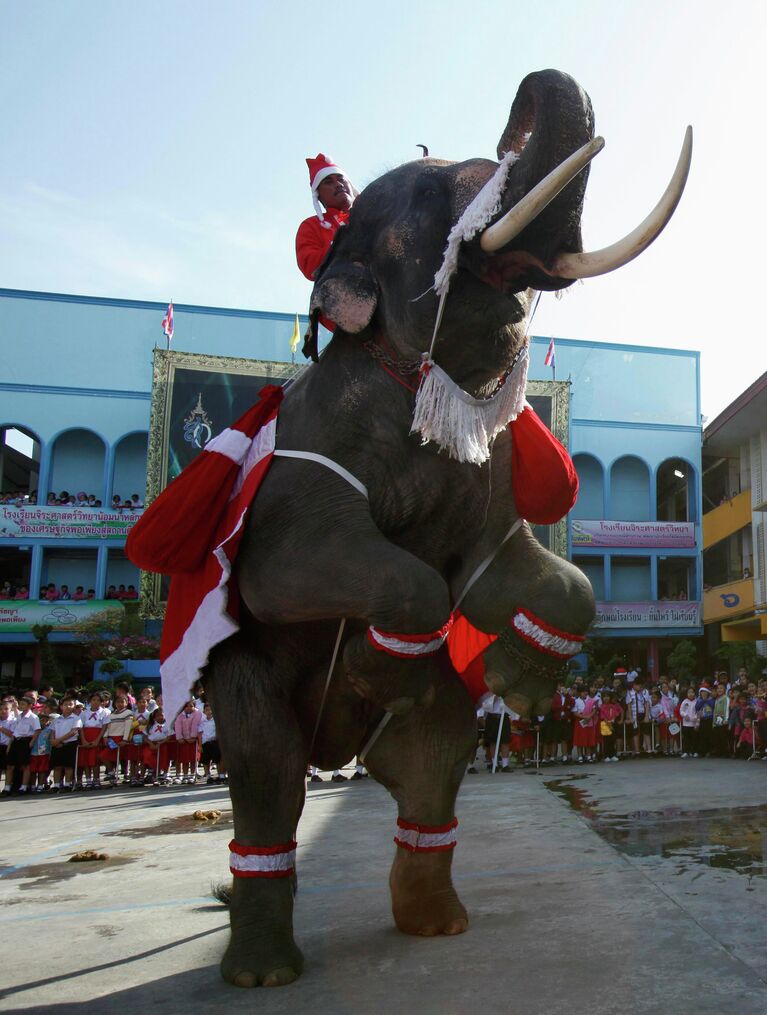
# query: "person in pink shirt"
187, 729
22, 593
609, 714
51, 592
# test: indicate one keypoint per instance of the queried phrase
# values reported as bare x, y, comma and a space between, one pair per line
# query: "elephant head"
378, 280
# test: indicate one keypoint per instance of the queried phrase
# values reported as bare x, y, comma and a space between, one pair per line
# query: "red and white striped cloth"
192, 532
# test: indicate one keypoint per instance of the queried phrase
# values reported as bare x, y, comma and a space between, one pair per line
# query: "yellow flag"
295, 337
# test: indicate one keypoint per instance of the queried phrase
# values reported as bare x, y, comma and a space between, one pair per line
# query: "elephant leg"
354, 571
266, 758
421, 759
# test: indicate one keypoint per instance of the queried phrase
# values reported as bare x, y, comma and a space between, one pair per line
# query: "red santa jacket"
313, 240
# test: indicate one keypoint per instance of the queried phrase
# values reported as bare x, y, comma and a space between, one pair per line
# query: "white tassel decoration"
457, 422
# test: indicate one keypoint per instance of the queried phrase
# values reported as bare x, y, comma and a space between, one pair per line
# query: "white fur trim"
234, 444
485, 205
460, 424
323, 174
414, 840
408, 648
550, 642
259, 447
263, 864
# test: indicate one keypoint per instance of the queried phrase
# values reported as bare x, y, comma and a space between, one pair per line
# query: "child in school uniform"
65, 739
609, 714
211, 753
187, 730
40, 756
584, 726
748, 740
117, 730
158, 748
7, 722
134, 752
690, 723
95, 721
26, 725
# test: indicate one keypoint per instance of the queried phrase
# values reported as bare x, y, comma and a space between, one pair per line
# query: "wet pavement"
636, 887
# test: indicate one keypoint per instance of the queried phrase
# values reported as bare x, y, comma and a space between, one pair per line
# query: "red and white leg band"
262, 861
543, 636
426, 838
408, 646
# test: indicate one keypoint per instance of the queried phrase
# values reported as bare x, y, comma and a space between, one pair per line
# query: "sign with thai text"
21, 615
65, 522
667, 535
674, 613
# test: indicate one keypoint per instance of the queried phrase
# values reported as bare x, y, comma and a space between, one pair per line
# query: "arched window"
675, 483
130, 467
630, 490
77, 464
19, 462
591, 486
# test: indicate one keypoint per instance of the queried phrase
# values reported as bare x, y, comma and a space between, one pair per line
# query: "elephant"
392, 554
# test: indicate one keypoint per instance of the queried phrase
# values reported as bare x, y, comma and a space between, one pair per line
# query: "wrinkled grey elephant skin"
316, 551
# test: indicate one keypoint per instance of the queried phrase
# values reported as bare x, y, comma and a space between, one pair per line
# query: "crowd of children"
50, 744
629, 718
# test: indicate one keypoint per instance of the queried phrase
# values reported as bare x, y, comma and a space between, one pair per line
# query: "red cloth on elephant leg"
192, 532
465, 645
543, 477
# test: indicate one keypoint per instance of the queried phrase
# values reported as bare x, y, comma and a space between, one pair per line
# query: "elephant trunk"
550, 119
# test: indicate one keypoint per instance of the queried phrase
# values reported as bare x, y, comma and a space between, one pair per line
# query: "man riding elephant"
395, 478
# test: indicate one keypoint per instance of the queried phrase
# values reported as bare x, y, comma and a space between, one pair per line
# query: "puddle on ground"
726, 838
183, 823
41, 875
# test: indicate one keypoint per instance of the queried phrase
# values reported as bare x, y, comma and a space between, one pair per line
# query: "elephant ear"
346, 294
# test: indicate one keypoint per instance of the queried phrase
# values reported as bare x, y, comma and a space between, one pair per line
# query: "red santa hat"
320, 168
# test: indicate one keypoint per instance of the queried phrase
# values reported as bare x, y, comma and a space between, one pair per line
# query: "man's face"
335, 191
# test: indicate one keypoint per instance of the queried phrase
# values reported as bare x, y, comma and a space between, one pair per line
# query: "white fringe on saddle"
460, 424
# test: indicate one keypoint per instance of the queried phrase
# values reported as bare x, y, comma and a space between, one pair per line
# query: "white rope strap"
329, 464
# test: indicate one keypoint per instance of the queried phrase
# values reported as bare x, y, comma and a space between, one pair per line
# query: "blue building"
635, 437
75, 398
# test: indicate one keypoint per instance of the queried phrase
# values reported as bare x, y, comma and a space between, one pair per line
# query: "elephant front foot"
424, 901
261, 951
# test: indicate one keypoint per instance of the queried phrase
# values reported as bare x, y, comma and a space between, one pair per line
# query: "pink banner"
665, 535
674, 613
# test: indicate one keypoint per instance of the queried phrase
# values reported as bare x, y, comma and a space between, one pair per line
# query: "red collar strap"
426, 838
262, 861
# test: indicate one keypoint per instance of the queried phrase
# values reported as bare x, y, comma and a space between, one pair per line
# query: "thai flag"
167, 323
551, 356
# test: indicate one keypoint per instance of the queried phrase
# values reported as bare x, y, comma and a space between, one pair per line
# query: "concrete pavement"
637, 887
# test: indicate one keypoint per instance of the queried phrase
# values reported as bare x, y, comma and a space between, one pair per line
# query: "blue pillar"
46, 466
654, 577
109, 475
36, 569
102, 561
608, 579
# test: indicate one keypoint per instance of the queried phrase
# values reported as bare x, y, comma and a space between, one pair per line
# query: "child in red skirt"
584, 726
522, 740
40, 756
117, 730
95, 720
159, 749
187, 729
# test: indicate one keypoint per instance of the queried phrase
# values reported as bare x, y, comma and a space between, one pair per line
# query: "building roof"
742, 418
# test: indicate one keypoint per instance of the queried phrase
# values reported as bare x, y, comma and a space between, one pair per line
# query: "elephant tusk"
533, 203
599, 262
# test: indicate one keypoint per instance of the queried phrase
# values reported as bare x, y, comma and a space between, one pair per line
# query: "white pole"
498, 739
538, 748
74, 774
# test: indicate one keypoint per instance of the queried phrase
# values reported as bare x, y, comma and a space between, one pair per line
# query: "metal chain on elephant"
528, 665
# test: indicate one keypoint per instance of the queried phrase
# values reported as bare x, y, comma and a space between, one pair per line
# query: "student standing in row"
24, 728
65, 738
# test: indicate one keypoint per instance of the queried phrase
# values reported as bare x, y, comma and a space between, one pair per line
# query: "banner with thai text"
674, 613
666, 535
65, 522
21, 615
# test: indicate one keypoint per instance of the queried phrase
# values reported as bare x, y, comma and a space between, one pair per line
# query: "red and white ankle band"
543, 636
426, 838
262, 861
408, 646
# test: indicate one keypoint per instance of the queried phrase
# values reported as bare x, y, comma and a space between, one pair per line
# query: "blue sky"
156, 150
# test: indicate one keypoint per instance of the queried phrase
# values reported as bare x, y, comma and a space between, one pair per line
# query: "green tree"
682, 660
50, 667
742, 653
